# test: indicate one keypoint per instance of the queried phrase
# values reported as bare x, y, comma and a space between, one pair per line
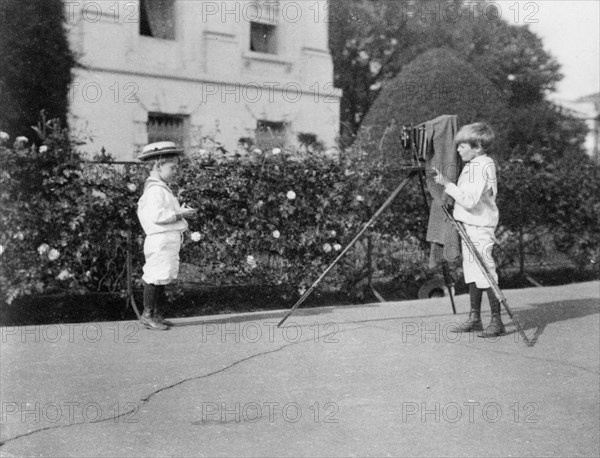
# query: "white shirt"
158, 209
475, 193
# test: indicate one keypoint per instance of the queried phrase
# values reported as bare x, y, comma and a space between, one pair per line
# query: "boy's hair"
163, 160
479, 134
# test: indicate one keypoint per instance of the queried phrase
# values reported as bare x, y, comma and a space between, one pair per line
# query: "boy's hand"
439, 178
188, 212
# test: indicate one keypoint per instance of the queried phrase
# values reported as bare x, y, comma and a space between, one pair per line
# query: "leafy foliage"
63, 224
423, 91
270, 219
372, 41
542, 201
267, 219
35, 72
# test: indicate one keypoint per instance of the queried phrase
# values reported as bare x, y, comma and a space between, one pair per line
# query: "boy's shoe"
495, 328
150, 323
158, 317
471, 325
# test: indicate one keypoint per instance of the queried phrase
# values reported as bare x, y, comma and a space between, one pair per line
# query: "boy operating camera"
475, 206
163, 221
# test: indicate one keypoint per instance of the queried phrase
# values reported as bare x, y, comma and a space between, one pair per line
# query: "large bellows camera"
412, 137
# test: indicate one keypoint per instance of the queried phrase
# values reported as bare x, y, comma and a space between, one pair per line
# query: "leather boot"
474, 321
161, 301
150, 300
158, 317
496, 327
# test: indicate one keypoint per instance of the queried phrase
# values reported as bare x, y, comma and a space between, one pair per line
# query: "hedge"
273, 218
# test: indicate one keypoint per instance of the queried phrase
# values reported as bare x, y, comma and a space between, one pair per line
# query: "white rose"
360, 198
291, 195
337, 247
43, 149
53, 254
98, 194
64, 274
4, 136
251, 261
196, 236
132, 187
327, 248
276, 151
276, 234
43, 249
374, 67
257, 151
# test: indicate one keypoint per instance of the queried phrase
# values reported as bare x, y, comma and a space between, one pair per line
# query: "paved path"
381, 380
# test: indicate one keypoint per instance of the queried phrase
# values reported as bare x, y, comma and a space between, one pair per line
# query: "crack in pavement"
362, 324
146, 399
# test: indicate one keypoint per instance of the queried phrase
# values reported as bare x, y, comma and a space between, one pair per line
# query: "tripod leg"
130, 299
134, 306
341, 255
449, 284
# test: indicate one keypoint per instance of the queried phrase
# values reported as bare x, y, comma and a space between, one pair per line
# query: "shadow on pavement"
275, 315
535, 319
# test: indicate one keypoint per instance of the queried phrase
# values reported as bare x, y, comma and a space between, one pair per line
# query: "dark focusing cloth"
440, 152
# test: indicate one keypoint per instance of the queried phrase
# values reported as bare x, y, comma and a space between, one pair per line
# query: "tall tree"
35, 64
372, 40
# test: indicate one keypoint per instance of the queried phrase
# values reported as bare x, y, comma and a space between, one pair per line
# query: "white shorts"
483, 238
162, 257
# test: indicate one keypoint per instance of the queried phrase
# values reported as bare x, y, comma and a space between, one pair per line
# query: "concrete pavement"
385, 379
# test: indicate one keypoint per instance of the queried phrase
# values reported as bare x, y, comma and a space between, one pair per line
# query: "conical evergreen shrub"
438, 82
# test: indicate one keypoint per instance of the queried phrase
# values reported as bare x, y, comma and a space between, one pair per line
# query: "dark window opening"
166, 127
157, 19
270, 134
263, 38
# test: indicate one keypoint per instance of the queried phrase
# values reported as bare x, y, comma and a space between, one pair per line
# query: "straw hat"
159, 150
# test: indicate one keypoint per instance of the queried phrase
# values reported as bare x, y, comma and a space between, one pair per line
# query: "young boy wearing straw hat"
163, 221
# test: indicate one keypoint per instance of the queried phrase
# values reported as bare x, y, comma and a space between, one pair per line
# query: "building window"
270, 134
157, 19
166, 127
263, 38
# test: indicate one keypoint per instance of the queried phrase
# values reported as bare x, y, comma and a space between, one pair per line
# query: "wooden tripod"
412, 172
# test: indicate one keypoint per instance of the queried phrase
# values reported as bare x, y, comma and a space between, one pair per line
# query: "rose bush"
266, 218
548, 205
276, 219
63, 222
269, 219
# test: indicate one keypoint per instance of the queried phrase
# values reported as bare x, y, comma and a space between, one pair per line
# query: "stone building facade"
199, 72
